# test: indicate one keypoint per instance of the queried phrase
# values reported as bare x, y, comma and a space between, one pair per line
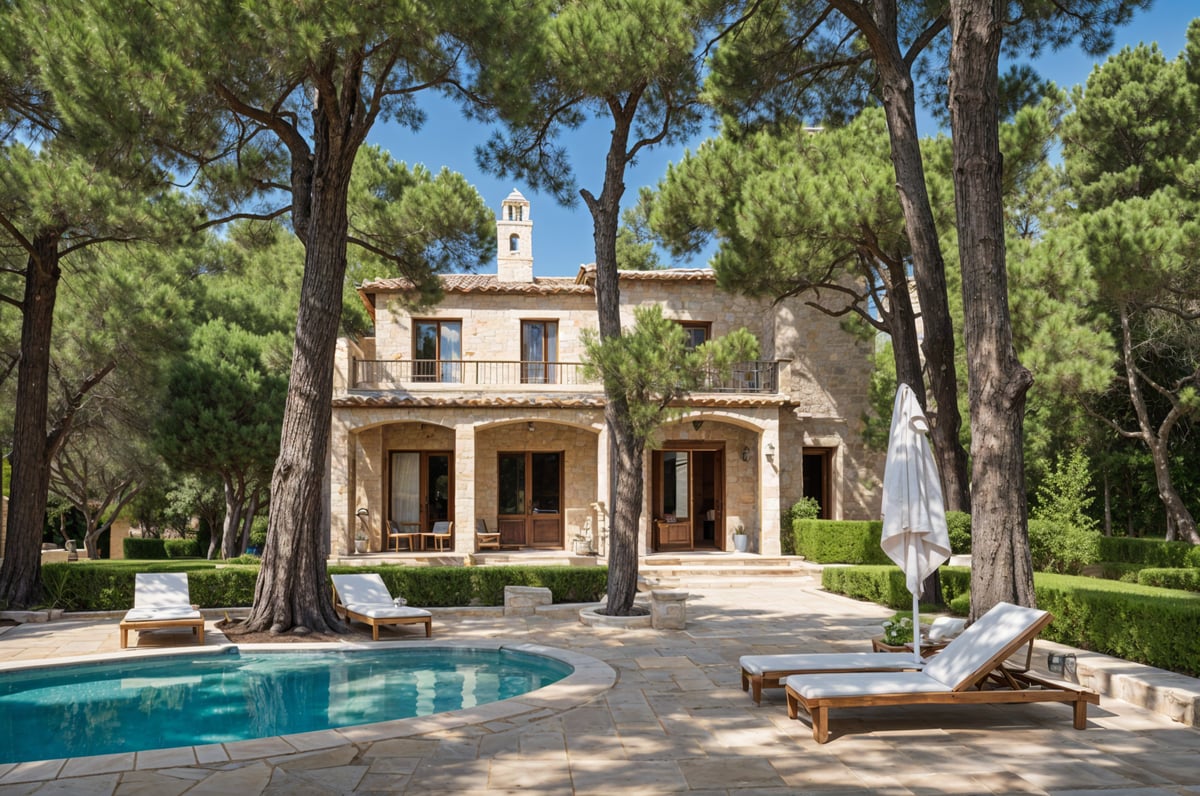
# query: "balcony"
381, 374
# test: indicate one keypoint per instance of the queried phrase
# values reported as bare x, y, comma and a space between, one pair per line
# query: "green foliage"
806, 508
183, 548
651, 365
1149, 552
1187, 579
1064, 549
148, 549
840, 541
1155, 626
1065, 494
566, 584
958, 523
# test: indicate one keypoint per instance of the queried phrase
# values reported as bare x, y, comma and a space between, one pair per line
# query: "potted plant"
360, 541
740, 540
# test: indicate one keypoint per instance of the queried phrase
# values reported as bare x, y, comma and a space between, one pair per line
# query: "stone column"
464, 488
768, 488
342, 485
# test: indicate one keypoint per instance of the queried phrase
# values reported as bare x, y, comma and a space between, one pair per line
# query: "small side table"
928, 649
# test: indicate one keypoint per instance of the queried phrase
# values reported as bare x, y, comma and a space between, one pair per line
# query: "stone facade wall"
703, 301
491, 324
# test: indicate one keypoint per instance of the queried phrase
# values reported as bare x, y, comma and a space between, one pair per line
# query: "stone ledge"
1175, 696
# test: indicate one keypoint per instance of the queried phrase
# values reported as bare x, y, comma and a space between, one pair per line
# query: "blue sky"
562, 236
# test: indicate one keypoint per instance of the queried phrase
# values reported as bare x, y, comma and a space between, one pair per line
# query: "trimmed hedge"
144, 549
183, 548
1156, 626
108, 586
841, 541
958, 523
1187, 578
1151, 552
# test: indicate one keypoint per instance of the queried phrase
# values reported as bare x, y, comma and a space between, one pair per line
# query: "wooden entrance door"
688, 496
530, 499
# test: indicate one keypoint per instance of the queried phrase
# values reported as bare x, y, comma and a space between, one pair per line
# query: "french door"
421, 487
530, 499
687, 490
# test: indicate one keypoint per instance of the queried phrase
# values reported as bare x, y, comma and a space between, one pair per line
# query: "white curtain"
406, 487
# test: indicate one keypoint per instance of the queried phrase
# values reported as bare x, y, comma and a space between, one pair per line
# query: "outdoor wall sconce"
1060, 663
746, 453
770, 451
697, 423
362, 512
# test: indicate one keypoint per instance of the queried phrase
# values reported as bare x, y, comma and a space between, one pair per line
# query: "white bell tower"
514, 240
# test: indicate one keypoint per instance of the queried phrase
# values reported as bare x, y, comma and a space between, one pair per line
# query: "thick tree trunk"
292, 591
929, 272
232, 527
21, 572
628, 476
901, 320
1002, 568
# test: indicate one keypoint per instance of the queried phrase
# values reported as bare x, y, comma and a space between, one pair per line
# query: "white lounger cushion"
386, 611
814, 686
161, 590
159, 614
818, 661
981, 642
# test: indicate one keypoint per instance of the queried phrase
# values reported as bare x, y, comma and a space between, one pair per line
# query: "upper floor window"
539, 352
514, 243
698, 332
437, 351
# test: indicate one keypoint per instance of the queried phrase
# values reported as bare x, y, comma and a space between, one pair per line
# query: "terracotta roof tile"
484, 283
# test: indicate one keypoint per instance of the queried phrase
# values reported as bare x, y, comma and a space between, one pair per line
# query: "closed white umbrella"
914, 515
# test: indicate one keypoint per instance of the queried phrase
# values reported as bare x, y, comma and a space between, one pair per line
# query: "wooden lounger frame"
197, 626
377, 622
991, 683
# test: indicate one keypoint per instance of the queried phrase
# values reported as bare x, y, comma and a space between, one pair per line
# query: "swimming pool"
197, 699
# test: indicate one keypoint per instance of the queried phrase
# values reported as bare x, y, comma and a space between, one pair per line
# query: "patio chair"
968, 671
161, 600
485, 539
439, 536
365, 598
406, 532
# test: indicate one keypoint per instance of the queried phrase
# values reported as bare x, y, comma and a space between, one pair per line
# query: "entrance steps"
663, 570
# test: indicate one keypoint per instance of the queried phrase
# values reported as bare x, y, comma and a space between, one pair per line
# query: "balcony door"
539, 352
437, 351
421, 486
530, 499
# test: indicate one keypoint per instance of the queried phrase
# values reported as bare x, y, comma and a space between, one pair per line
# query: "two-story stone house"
477, 409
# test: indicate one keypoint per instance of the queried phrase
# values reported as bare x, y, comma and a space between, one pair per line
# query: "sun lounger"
769, 671
968, 671
161, 600
365, 598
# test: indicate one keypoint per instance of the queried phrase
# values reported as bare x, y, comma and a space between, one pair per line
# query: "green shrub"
1114, 570
1063, 549
182, 548
959, 525
840, 541
227, 587
1186, 578
806, 508
144, 549
1151, 552
886, 584
566, 584
1154, 626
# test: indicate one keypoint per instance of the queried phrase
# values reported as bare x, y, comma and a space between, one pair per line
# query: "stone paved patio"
675, 720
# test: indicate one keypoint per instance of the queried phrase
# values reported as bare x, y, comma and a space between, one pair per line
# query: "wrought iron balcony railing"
374, 374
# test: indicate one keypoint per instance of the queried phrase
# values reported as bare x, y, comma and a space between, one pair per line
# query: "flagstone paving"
674, 720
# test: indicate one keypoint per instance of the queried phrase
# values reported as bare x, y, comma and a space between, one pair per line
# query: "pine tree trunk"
929, 272
1002, 569
292, 593
628, 475
21, 572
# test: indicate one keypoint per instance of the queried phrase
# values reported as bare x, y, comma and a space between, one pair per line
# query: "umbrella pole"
916, 628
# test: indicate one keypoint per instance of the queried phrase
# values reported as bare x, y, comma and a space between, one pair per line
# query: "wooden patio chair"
485, 539
441, 534
969, 671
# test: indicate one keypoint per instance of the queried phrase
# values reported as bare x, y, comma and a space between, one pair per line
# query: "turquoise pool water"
188, 700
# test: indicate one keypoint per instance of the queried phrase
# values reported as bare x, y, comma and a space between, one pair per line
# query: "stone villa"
476, 412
